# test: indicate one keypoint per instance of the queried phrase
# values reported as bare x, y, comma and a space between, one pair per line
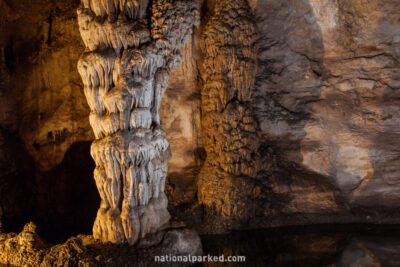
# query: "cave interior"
263, 128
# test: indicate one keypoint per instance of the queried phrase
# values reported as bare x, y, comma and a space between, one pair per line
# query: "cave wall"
45, 131
325, 99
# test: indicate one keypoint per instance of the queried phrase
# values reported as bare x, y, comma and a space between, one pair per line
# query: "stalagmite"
125, 70
229, 45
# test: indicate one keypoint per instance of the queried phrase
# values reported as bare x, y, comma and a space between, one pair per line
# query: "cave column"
229, 45
131, 48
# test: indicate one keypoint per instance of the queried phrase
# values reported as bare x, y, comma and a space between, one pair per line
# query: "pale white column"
130, 50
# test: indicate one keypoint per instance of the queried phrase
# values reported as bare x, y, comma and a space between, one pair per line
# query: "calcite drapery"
125, 70
229, 45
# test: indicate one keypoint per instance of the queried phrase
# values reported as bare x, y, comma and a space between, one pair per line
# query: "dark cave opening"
68, 196
16, 183
62, 202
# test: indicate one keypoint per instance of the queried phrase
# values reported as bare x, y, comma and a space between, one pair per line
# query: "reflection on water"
327, 245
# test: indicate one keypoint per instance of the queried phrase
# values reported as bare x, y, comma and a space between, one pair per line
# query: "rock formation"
28, 249
229, 45
125, 70
326, 100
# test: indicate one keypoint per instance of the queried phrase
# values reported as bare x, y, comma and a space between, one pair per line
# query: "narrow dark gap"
49, 32
9, 55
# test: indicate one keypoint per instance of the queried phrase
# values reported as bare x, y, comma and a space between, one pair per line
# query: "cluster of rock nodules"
229, 130
28, 249
125, 71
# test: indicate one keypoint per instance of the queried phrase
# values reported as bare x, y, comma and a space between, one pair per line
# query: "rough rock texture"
324, 103
181, 119
28, 249
45, 149
43, 120
226, 182
126, 71
39, 49
326, 100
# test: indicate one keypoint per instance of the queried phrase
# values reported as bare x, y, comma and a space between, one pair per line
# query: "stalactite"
229, 45
126, 71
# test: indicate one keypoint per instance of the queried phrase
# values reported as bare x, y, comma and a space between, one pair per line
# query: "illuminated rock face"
229, 130
125, 70
327, 99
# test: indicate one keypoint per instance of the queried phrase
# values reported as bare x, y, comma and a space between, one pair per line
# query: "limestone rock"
325, 98
43, 118
28, 249
124, 89
229, 45
181, 243
24, 249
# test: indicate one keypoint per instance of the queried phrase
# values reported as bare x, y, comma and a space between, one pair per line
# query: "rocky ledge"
28, 249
